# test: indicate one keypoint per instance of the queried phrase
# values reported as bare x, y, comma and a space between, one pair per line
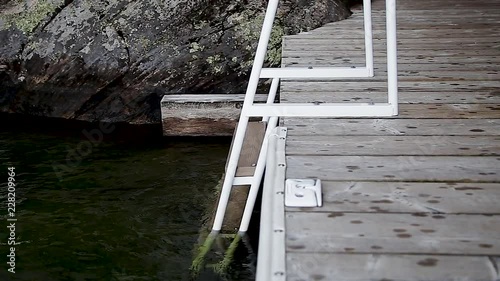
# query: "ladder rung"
242, 180
315, 73
245, 171
322, 110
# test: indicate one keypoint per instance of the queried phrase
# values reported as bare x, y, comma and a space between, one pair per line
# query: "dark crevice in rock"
100, 96
111, 87
21, 50
125, 42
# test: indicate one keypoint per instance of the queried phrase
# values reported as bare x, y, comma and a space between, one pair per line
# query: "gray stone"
113, 60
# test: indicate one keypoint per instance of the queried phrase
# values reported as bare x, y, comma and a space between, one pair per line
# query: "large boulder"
112, 60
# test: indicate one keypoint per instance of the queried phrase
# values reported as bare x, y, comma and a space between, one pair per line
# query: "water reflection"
123, 212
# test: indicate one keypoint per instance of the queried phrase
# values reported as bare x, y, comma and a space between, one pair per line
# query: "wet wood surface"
410, 197
322, 266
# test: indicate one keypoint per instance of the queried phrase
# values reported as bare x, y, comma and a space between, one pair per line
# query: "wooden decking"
415, 197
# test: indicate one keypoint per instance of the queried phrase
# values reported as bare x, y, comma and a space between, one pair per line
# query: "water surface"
116, 211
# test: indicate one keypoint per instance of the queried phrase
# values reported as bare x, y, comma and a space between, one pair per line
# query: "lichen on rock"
113, 60
27, 15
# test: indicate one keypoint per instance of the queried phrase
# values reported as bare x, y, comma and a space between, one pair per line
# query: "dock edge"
271, 255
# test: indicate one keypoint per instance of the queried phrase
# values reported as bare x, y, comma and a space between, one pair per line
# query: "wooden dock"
417, 196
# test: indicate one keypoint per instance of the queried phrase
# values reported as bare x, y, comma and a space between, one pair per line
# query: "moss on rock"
30, 16
118, 57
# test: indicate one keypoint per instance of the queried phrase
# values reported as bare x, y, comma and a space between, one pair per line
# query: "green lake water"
119, 211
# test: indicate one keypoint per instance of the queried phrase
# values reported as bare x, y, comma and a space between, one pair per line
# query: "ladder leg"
234, 155
272, 95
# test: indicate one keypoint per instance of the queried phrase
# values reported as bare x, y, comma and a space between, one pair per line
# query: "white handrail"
367, 18
392, 54
270, 111
234, 155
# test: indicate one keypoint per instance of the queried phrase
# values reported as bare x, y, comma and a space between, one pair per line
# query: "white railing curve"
270, 112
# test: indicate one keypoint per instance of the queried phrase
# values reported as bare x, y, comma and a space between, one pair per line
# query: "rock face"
113, 60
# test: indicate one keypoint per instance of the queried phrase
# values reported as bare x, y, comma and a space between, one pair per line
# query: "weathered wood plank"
424, 45
428, 162
420, 21
426, 13
398, 127
396, 168
489, 96
403, 46
412, 18
359, 60
466, 9
445, 111
392, 233
438, 51
434, 10
402, 21
366, 86
406, 36
449, 111
356, 23
432, 76
418, 14
250, 150
408, 197
196, 127
417, 31
246, 167
393, 145
336, 37
201, 115
357, 267
234, 210
314, 40
209, 98
381, 67
442, 75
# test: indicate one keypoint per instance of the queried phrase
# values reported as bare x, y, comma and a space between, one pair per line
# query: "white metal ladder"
271, 111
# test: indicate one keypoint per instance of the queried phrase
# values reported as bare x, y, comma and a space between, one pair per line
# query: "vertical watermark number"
11, 218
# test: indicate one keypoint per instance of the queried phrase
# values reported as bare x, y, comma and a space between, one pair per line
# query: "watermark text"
11, 218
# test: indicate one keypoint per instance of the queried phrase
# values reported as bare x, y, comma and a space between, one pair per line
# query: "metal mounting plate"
303, 193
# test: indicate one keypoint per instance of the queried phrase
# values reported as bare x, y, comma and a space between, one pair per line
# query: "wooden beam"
202, 115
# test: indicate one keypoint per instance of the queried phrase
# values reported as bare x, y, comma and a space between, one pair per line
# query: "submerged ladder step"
249, 155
